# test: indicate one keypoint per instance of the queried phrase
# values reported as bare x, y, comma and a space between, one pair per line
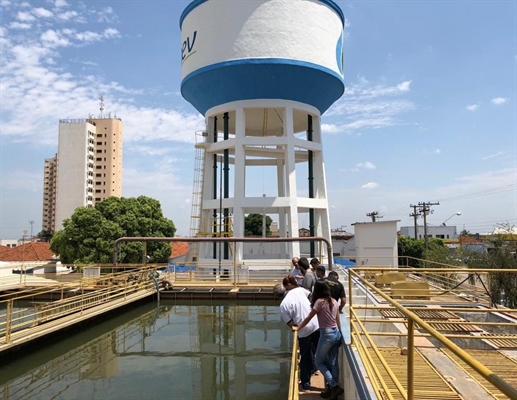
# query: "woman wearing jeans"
327, 310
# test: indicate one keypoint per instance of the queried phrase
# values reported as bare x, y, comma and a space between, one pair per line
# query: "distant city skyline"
428, 112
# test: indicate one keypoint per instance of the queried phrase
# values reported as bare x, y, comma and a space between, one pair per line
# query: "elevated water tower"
262, 72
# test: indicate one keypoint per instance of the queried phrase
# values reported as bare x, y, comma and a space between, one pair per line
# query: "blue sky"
429, 112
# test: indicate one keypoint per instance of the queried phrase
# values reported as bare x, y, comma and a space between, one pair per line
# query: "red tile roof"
33, 251
178, 249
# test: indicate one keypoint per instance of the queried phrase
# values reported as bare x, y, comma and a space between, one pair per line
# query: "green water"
177, 350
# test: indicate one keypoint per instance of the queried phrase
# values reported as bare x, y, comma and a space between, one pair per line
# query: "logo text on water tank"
188, 46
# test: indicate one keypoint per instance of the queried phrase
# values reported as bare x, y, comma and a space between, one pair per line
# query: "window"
98, 175
97, 199
98, 167
99, 143
99, 151
98, 159
99, 135
97, 191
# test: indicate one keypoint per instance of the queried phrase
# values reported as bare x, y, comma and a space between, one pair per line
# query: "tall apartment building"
49, 194
108, 158
88, 168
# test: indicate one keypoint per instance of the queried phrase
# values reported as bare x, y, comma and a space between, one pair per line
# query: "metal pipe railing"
293, 375
482, 370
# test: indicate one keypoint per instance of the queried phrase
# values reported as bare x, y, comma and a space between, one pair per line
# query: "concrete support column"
239, 179
290, 180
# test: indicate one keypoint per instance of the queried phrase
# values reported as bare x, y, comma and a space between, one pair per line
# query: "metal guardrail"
420, 321
86, 293
295, 369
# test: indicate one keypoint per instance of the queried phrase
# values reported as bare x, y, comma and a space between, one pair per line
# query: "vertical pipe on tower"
214, 214
226, 181
311, 184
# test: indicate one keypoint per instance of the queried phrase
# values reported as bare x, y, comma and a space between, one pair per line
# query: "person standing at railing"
327, 310
295, 306
296, 273
309, 279
337, 290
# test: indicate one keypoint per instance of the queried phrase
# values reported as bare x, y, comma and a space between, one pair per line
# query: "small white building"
376, 243
433, 231
9, 242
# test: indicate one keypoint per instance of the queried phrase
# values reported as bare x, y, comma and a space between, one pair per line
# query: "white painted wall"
306, 31
376, 243
76, 145
9, 242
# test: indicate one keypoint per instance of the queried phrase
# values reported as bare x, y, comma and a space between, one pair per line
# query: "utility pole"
425, 208
31, 223
374, 215
415, 216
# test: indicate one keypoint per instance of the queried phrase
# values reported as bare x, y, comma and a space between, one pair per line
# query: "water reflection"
216, 350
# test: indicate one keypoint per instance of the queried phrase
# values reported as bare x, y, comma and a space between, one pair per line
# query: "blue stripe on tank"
263, 78
195, 3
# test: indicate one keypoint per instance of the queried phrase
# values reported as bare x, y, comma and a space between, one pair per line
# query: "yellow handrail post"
410, 360
350, 305
8, 320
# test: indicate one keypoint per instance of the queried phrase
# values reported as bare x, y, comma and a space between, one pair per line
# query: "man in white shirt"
296, 273
294, 308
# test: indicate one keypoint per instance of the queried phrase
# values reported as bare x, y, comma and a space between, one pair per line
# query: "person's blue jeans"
307, 357
327, 355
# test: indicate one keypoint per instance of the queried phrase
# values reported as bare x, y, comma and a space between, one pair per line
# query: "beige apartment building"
87, 168
108, 158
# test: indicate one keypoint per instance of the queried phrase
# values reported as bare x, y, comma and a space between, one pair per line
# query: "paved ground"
317, 386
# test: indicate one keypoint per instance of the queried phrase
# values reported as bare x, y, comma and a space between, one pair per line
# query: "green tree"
45, 236
410, 247
88, 236
253, 225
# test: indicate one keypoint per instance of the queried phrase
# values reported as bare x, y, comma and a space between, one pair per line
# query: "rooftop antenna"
101, 98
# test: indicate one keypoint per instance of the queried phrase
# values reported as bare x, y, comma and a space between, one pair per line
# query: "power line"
486, 192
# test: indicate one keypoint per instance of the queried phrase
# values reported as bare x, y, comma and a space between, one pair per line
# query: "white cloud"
366, 165
60, 3
472, 107
499, 100
54, 39
367, 106
36, 93
437, 151
370, 185
42, 12
25, 16
19, 25
70, 15
404, 86
495, 155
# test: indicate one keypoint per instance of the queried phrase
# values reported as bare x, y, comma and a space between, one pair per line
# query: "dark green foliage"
88, 236
45, 236
253, 225
409, 247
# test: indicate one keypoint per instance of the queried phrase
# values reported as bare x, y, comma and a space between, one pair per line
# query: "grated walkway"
497, 362
429, 384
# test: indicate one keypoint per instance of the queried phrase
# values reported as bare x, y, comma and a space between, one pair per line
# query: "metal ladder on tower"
197, 194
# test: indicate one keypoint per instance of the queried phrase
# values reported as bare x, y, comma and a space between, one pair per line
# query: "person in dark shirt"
337, 290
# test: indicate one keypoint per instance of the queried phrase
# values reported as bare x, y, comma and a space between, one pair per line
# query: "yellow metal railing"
294, 374
434, 319
22, 313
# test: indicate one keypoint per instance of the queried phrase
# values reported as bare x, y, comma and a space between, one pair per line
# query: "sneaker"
325, 394
304, 387
335, 392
